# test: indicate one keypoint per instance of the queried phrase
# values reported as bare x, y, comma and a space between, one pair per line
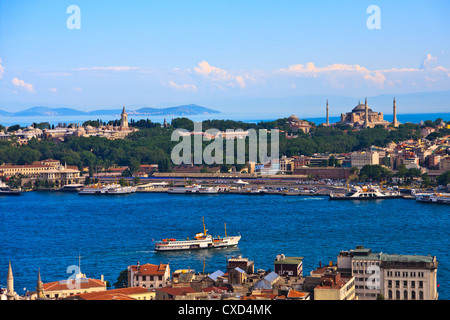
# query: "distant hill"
4, 113
190, 109
46, 111
183, 110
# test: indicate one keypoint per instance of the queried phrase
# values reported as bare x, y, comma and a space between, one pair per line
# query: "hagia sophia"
360, 117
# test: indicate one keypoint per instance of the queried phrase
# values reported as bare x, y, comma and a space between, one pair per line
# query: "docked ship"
195, 189
365, 193
433, 197
185, 189
208, 190
118, 189
201, 240
96, 189
112, 189
72, 187
5, 190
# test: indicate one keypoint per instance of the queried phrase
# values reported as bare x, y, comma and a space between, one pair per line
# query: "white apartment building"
286, 164
395, 277
360, 159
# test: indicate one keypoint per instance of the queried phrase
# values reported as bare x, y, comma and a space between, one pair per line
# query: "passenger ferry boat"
96, 189
208, 190
185, 189
365, 193
5, 190
112, 189
433, 197
201, 240
195, 189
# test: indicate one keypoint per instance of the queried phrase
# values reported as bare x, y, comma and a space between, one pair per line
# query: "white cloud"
220, 77
336, 70
240, 81
22, 84
54, 90
2, 69
428, 62
116, 68
77, 89
336, 74
187, 87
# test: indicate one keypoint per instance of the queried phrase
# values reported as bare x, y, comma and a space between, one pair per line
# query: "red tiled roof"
115, 294
182, 291
296, 294
320, 270
150, 269
68, 284
215, 289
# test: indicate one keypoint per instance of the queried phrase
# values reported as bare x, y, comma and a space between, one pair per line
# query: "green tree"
444, 179
122, 280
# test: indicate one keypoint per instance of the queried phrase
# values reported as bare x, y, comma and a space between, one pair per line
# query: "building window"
421, 295
405, 295
397, 295
421, 284
390, 294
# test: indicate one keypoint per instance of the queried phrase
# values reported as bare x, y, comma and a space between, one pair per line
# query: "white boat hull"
433, 198
197, 244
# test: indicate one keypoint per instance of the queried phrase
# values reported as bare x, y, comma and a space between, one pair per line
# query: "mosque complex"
360, 117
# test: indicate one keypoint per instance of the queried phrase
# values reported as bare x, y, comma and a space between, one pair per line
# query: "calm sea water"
50, 230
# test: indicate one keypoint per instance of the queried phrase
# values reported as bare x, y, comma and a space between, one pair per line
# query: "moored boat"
96, 189
5, 190
110, 189
433, 197
201, 240
365, 193
208, 190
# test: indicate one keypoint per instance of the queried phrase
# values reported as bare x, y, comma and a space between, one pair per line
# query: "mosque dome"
293, 118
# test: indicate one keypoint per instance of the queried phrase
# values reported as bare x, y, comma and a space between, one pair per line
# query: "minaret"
366, 117
328, 119
124, 119
394, 121
10, 284
40, 286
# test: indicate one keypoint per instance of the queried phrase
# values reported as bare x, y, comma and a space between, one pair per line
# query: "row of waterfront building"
63, 131
358, 274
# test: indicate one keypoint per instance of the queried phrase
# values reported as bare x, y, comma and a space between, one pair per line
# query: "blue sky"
161, 53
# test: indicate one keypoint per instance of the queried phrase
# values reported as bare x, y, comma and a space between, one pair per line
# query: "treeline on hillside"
152, 144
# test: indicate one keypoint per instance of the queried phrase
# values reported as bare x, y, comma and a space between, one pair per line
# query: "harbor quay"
357, 274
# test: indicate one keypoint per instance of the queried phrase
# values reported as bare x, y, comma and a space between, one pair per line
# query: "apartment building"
360, 159
148, 275
393, 276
